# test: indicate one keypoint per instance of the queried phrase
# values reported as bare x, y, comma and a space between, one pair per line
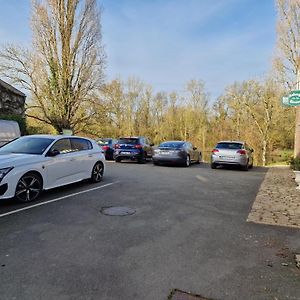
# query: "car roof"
238, 142
173, 142
55, 136
130, 137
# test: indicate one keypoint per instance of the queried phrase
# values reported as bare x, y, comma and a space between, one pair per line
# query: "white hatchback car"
232, 153
34, 163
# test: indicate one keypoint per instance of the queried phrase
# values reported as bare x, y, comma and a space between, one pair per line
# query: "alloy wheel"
188, 161
97, 173
28, 188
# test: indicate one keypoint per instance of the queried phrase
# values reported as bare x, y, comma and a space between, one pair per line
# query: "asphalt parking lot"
189, 232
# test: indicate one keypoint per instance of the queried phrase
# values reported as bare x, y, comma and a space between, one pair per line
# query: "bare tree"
64, 69
288, 44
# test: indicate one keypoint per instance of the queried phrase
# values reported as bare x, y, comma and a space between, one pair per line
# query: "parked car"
108, 146
232, 153
9, 130
133, 148
176, 152
34, 163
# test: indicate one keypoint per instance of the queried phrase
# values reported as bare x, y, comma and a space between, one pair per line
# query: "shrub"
295, 163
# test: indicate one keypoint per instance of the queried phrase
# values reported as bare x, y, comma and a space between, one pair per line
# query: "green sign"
285, 101
294, 98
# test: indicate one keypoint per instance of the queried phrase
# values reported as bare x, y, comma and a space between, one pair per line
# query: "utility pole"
297, 121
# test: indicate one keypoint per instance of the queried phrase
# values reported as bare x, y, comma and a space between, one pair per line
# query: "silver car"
232, 153
176, 152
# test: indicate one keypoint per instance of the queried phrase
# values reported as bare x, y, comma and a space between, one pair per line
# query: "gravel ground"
278, 201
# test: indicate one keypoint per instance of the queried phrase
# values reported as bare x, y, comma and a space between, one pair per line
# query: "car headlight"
4, 171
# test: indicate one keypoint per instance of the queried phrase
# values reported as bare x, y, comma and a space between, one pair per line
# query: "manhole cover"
117, 211
179, 295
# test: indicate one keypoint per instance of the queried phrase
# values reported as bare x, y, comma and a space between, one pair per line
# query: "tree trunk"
297, 133
264, 152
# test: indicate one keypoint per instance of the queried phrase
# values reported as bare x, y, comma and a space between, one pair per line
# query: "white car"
34, 163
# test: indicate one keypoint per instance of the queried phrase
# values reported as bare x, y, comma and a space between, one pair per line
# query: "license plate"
165, 152
125, 152
227, 157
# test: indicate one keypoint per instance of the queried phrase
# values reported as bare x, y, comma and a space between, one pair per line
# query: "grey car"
232, 153
176, 152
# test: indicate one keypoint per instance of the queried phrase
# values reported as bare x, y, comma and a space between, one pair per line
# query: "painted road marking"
56, 199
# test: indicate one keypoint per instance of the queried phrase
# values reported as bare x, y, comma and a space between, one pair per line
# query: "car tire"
117, 159
213, 165
143, 159
187, 162
97, 172
155, 163
28, 187
246, 167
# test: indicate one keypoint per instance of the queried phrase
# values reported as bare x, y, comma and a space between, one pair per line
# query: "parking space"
188, 232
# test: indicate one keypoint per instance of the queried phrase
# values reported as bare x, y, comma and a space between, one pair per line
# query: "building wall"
11, 103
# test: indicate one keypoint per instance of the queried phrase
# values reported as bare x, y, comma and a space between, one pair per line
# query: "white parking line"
56, 199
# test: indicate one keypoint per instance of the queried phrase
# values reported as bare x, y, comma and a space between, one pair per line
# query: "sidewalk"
278, 201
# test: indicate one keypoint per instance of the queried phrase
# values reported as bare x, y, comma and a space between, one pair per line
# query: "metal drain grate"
117, 211
180, 295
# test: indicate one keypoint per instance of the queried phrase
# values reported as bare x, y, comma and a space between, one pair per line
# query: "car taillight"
214, 151
117, 146
242, 152
138, 146
105, 147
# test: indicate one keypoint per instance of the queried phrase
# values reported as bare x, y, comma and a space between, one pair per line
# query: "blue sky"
168, 42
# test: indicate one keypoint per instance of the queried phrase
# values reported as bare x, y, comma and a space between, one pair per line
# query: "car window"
131, 141
27, 145
229, 146
175, 145
80, 144
63, 146
103, 142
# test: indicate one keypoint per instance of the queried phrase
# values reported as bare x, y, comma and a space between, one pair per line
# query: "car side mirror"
194, 148
53, 152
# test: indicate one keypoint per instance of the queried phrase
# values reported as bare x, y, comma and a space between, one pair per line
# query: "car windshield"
233, 146
27, 145
103, 142
174, 145
130, 141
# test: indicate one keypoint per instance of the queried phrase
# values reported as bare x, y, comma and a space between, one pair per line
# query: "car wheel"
143, 159
213, 165
28, 187
155, 163
246, 167
117, 159
187, 161
97, 172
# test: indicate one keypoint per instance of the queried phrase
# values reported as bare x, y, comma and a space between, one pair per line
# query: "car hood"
13, 159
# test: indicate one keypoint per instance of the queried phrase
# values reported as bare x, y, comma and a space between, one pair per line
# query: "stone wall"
12, 101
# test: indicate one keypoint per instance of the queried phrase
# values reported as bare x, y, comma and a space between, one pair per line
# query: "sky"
166, 43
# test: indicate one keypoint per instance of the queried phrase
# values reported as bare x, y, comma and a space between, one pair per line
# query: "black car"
133, 148
176, 152
108, 146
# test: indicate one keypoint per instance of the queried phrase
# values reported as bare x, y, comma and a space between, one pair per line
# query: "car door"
61, 169
84, 157
190, 151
